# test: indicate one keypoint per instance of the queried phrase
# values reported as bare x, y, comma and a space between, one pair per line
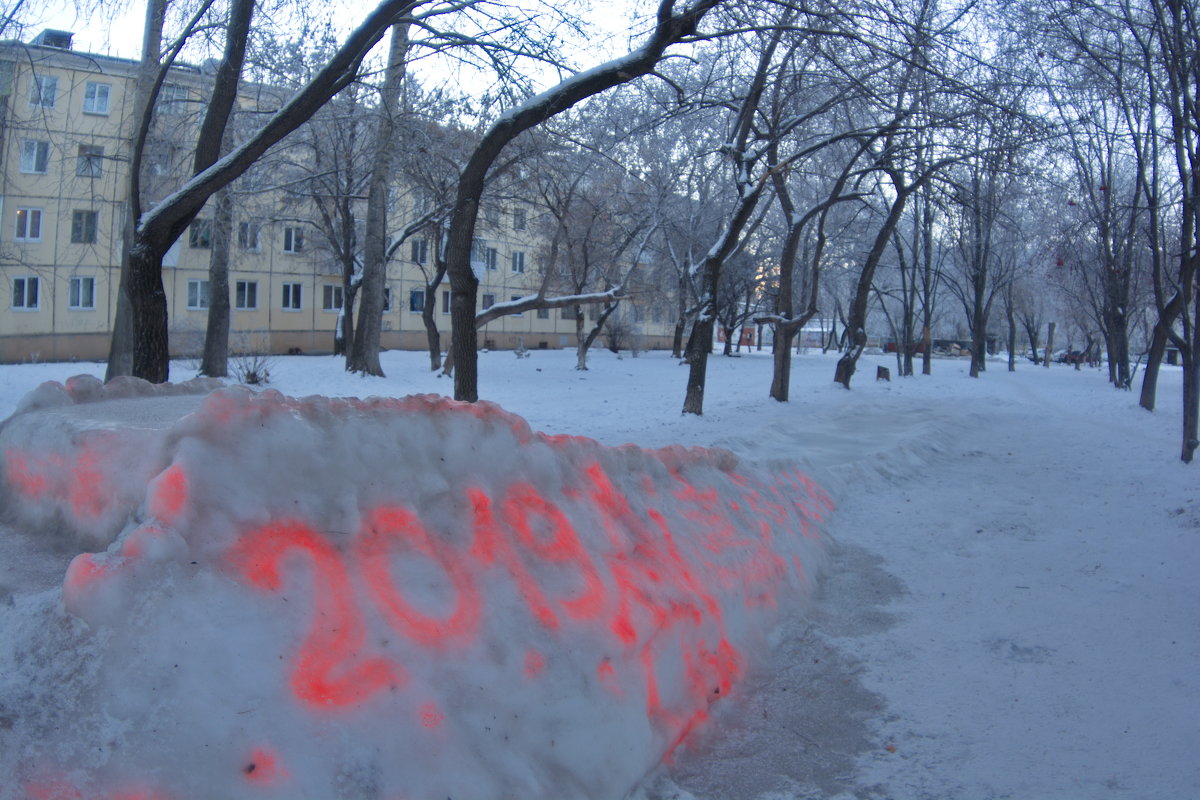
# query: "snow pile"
387, 598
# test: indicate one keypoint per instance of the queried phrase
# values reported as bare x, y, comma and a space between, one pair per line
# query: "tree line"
1006, 165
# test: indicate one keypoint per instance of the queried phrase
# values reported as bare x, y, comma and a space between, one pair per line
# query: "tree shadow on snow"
803, 720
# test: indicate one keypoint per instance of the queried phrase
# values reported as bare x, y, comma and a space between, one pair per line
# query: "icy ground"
1011, 607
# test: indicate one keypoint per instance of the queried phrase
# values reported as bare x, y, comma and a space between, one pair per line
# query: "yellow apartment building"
65, 124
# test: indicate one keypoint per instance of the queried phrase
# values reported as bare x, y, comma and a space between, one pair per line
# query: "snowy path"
1016, 618
1012, 610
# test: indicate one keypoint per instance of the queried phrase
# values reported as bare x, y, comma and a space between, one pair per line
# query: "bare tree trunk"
148, 304
856, 321
1191, 391
343, 339
215, 361
1158, 347
1010, 314
781, 376
927, 355
433, 338
1189, 352
580, 345
978, 342
364, 357
120, 353
590, 339
696, 354
1049, 344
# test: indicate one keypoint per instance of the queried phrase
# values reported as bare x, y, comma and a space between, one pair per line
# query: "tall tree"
364, 355
160, 227
672, 25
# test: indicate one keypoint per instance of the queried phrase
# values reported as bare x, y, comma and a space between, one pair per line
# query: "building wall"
84, 170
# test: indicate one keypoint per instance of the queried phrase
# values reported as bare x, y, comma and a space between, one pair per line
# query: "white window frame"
445, 301
200, 234
171, 98
249, 236
95, 226
293, 239
198, 294
520, 219
415, 306
30, 150
76, 296
492, 258
43, 88
487, 300
331, 297
89, 163
93, 91
26, 282
420, 250
28, 218
293, 296
245, 295
518, 261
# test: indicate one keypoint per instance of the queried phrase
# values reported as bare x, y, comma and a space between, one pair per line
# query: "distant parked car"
1070, 357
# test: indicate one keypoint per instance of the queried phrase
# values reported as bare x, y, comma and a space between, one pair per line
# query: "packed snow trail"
922, 671
375, 598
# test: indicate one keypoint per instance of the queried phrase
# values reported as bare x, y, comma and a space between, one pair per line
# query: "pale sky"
116, 30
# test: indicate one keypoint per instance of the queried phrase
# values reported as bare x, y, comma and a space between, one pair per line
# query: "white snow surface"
1008, 609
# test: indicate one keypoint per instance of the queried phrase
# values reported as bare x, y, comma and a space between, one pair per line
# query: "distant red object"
747, 336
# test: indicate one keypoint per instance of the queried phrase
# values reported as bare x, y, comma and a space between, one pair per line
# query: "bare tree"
364, 355
671, 26
160, 227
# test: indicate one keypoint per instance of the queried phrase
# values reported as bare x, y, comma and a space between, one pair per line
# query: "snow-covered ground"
1009, 609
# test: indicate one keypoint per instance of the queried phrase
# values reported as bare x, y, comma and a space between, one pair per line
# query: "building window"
518, 261
514, 298
420, 250
35, 157
246, 295
43, 90
416, 300
493, 258
491, 214
479, 250
387, 299
292, 297
29, 225
197, 298
82, 294
489, 300
172, 99
25, 293
248, 235
200, 234
543, 313
331, 298
293, 240
446, 301
90, 163
95, 98
83, 227
519, 219
570, 312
